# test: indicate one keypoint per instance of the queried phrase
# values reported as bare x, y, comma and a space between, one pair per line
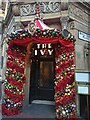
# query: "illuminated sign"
43, 49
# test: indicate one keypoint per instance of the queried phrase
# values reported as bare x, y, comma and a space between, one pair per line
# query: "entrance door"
42, 80
45, 82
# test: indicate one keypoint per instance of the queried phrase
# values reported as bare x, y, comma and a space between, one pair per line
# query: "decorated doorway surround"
19, 46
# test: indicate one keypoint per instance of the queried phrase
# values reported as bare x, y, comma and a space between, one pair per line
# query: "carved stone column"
86, 55
64, 22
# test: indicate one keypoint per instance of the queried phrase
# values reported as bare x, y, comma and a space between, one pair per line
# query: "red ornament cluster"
15, 81
64, 83
64, 76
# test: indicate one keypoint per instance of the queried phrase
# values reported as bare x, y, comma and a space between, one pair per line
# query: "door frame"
38, 59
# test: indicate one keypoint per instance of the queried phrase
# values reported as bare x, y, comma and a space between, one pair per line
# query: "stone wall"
78, 21
81, 22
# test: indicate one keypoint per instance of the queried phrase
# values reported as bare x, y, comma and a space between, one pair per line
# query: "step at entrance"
43, 102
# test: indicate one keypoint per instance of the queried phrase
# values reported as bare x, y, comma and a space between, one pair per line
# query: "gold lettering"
50, 52
42, 52
49, 46
44, 45
35, 52
38, 46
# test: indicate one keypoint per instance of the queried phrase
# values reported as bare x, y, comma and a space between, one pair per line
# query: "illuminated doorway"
42, 73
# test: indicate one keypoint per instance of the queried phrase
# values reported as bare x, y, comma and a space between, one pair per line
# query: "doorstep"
34, 110
43, 102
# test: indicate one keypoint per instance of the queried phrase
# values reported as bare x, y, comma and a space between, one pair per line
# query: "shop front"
51, 58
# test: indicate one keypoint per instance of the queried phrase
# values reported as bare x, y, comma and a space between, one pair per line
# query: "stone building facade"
74, 16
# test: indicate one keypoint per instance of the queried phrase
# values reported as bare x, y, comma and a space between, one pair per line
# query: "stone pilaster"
0, 66
64, 22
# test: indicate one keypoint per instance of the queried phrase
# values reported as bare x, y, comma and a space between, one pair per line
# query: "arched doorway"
64, 70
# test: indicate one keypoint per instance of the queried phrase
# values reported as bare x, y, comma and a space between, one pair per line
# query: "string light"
53, 33
64, 77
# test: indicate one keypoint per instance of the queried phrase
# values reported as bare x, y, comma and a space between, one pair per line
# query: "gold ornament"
32, 27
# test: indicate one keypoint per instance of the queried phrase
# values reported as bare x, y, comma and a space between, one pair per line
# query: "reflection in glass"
46, 74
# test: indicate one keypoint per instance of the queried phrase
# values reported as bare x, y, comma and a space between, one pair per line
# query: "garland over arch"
64, 78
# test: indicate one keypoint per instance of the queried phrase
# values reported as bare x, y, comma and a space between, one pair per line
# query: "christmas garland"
53, 33
64, 80
64, 83
15, 81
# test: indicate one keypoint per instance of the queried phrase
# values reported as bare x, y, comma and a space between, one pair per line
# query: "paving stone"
36, 111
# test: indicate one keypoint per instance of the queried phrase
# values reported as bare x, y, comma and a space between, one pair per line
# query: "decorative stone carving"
32, 27
50, 6
86, 49
71, 25
64, 4
15, 10
28, 9
64, 22
45, 7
